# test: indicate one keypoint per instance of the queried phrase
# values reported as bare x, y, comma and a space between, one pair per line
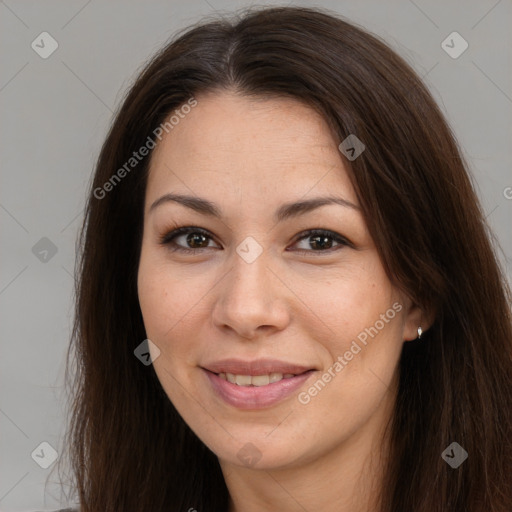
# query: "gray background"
55, 114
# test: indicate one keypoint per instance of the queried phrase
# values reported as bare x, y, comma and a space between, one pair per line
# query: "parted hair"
128, 448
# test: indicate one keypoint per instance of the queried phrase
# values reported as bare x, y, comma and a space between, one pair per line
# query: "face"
279, 332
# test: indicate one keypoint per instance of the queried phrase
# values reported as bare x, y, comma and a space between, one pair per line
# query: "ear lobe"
417, 322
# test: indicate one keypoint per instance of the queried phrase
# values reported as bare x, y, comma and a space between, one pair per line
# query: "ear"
416, 317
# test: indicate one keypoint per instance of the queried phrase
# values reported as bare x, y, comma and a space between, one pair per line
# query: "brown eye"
321, 241
194, 239
197, 240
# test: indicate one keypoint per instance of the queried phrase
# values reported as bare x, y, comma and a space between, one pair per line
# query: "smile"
252, 392
255, 380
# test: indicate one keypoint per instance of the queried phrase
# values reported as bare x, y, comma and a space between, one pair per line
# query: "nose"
252, 300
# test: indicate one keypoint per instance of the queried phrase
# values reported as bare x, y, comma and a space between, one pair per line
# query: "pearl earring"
420, 332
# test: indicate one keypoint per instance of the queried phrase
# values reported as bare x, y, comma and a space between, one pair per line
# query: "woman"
281, 222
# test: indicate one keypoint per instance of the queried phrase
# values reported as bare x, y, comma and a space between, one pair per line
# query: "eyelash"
167, 240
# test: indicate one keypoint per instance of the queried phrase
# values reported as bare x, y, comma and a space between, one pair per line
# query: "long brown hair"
128, 447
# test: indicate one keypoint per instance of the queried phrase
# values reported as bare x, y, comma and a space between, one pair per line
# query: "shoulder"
69, 509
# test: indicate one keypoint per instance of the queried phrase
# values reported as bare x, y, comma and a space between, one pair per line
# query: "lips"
256, 367
248, 384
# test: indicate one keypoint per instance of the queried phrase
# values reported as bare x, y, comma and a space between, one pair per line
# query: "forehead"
252, 147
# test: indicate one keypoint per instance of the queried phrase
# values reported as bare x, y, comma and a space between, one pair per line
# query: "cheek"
358, 322
365, 362
167, 310
166, 298
358, 378
174, 306
344, 302
155, 301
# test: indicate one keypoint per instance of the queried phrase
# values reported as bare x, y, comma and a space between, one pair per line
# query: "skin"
249, 156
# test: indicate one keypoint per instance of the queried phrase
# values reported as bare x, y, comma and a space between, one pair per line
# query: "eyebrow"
286, 211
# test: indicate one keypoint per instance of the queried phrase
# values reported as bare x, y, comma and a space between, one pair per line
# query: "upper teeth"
255, 380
